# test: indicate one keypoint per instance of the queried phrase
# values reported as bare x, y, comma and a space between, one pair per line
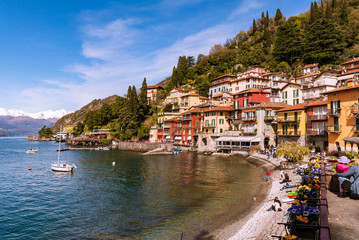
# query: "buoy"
2, 153
29, 168
113, 163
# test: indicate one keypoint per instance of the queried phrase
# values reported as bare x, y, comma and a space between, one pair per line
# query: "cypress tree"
343, 15
135, 104
143, 103
278, 16
334, 4
328, 11
254, 27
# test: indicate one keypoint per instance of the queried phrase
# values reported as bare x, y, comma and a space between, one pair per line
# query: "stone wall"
207, 142
141, 147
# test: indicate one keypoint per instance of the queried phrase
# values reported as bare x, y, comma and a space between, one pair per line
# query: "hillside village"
260, 108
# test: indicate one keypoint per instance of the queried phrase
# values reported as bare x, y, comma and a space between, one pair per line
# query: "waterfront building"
220, 84
257, 120
217, 119
174, 96
191, 125
243, 99
292, 93
163, 127
317, 124
172, 129
291, 124
152, 92
343, 115
153, 134
189, 100
251, 79
277, 82
323, 82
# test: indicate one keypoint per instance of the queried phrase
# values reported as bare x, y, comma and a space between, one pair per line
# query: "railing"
209, 126
166, 126
232, 146
335, 129
319, 132
289, 119
317, 117
269, 118
356, 128
249, 119
334, 112
289, 133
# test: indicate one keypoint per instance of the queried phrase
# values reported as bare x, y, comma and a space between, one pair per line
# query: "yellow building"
217, 119
189, 100
291, 124
292, 93
343, 115
174, 97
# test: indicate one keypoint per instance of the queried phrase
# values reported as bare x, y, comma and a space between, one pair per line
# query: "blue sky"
63, 54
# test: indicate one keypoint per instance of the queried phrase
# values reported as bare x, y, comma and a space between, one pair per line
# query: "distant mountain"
22, 126
79, 115
39, 115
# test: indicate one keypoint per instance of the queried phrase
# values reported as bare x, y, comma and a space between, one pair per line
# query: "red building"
244, 98
191, 125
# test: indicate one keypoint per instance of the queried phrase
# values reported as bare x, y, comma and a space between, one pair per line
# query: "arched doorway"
266, 142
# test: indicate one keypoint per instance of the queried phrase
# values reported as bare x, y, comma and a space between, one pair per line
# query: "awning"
239, 139
177, 138
168, 137
189, 138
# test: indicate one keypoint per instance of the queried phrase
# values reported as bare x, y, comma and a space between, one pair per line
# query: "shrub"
293, 151
106, 141
254, 149
317, 149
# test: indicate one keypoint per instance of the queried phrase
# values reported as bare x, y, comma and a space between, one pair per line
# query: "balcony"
167, 126
289, 133
210, 126
269, 118
249, 119
356, 128
316, 132
335, 129
317, 117
288, 119
334, 112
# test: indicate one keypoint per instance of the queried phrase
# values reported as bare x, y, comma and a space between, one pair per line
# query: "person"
281, 175
353, 176
267, 176
288, 186
268, 154
276, 202
286, 178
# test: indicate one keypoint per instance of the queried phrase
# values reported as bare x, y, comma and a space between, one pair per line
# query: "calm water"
152, 197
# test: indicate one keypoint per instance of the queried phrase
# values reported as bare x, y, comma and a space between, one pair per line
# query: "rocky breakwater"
142, 146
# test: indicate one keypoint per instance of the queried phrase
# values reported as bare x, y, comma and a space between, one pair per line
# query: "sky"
64, 54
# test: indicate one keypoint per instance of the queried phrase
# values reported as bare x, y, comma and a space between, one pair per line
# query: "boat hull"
62, 167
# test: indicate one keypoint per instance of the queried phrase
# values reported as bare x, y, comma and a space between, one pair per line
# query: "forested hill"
326, 34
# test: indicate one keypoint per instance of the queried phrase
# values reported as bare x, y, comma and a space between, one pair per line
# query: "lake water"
152, 197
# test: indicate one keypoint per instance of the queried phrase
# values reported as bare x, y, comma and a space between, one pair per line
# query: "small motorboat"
176, 150
32, 151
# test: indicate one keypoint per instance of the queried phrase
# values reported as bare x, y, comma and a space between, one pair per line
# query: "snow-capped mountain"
39, 115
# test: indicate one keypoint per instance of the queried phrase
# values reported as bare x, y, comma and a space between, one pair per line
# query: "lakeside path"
260, 223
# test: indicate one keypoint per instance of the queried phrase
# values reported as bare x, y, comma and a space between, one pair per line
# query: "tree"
143, 132
343, 14
324, 42
328, 11
143, 102
45, 132
254, 27
292, 151
288, 44
278, 16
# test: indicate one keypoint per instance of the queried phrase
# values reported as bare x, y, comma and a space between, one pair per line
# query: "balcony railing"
356, 128
335, 129
209, 126
334, 112
317, 132
288, 119
317, 117
269, 118
289, 133
249, 119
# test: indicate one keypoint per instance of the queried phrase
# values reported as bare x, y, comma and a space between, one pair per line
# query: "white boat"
32, 151
61, 166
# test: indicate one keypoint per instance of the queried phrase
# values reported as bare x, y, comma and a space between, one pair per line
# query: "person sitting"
288, 186
276, 202
349, 180
286, 178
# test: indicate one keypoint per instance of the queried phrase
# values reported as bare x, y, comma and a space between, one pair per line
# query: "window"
190, 124
213, 122
184, 132
236, 104
206, 123
221, 130
221, 114
189, 132
236, 115
267, 126
212, 130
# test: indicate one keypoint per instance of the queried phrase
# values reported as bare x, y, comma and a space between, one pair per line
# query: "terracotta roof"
218, 95
351, 61
252, 90
299, 106
194, 110
342, 89
321, 103
308, 75
298, 84
154, 86
201, 97
270, 104
349, 72
223, 76
191, 94
220, 108
311, 65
